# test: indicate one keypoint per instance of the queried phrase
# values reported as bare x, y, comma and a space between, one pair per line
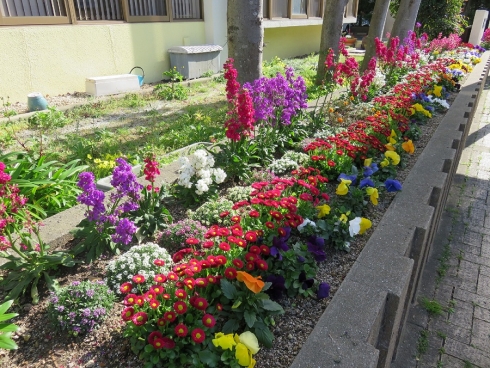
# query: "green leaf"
250, 318
8, 327
236, 304
7, 343
231, 326
229, 290
271, 306
209, 358
7, 316
264, 335
149, 348
5, 306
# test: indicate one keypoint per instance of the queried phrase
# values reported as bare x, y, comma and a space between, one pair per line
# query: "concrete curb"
362, 325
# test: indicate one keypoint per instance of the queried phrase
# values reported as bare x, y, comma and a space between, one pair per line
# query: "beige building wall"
57, 59
287, 42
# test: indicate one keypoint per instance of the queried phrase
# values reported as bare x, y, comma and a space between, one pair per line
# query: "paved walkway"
449, 324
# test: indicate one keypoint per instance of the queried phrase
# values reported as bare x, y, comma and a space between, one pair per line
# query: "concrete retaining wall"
362, 325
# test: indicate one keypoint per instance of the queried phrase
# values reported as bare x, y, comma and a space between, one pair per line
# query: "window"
273, 9
19, 12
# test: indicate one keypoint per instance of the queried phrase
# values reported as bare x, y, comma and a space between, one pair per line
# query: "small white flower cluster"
439, 101
306, 222
283, 165
198, 171
137, 260
237, 194
209, 212
299, 157
379, 79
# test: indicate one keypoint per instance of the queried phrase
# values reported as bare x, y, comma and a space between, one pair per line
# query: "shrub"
81, 306
209, 213
174, 236
139, 260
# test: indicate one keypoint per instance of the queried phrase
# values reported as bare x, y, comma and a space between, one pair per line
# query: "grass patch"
433, 307
423, 342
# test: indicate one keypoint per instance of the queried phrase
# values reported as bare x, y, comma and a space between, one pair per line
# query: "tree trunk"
376, 27
246, 38
405, 18
333, 16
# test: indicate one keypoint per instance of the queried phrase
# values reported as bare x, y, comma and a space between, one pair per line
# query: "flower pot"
36, 102
350, 42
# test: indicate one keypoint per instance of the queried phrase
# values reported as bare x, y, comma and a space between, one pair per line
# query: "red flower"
157, 289
208, 244
169, 316
250, 257
181, 330
154, 335
180, 293
126, 287
201, 303
198, 335
219, 307
250, 266
276, 215
254, 249
270, 225
138, 279
202, 282
224, 214
154, 304
180, 307
130, 299
254, 214
238, 263
282, 231
161, 322
166, 296
159, 262
139, 300
163, 343
127, 313
331, 163
306, 197
208, 320
251, 236
139, 319
172, 276
235, 219
241, 243
150, 295
230, 273
221, 260
261, 264
224, 246
265, 250
237, 230
189, 282
192, 241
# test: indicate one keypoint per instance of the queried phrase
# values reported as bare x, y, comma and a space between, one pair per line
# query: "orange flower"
253, 283
408, 146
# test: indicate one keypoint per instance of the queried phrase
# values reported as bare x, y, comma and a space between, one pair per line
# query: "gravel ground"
40, 345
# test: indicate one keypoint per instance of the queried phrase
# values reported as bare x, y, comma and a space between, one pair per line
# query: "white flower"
201, 186
219, 175
354, 226
305, 223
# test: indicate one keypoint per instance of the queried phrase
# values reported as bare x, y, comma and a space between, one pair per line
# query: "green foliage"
6, 111
433, 307
81, 306
48, 120
429, 16
174, 91
50, 186
6, 329
239, 158
423, 342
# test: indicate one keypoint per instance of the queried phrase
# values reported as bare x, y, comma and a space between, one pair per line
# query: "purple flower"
75, 283
352, 178
124, 181
392, 185
307, 283
278, 285
315, 247
60, 308
367, 182
90, 293
323, 290
86, 312
124, 232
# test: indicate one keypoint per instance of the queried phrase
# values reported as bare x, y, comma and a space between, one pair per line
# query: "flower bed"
270, 243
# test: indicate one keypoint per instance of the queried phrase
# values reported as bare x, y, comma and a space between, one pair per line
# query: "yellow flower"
343, 218
389, 146
253, 283
368, 161
343, 187
365, 224
393, 156
243, 355
250, 341
392, 138
323, 210
384, 163
224, 341
419, 108
437, 91
373, 195
408, 146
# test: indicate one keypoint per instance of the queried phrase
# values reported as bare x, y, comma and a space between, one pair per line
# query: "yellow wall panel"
57, 59
286, 42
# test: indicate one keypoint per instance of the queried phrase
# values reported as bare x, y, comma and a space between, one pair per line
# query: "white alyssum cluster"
198, 171
379, 79
138, 261
439, 101
283, 165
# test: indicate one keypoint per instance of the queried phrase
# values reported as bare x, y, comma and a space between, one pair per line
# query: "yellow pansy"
419, 108
393, 156
384, 163
389, 146
323, 210
408, 146
437, 91
243, 355
365, 224
343, 218
250, 341
368, 161
224, 341
373, 195
343, 187
392, 137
